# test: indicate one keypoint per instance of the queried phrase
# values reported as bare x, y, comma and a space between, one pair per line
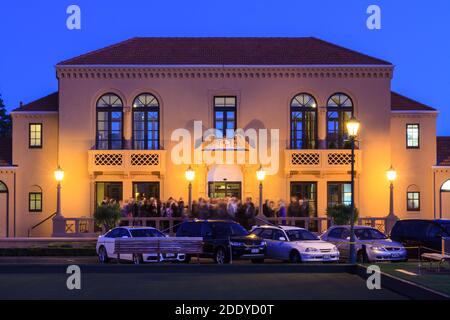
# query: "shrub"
341, 214
107, 215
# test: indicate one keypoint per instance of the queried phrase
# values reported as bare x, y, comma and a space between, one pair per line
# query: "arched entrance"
4, 203
225, 181
444, 199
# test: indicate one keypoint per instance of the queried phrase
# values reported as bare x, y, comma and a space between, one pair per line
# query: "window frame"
303, 109
41, 135
224, 110
109, 110
341, 191
146, 110
35, 201
407, 201
342, 130
418, 136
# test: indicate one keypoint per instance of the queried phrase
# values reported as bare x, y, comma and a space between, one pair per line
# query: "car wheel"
137, 258
102, 255
294, 257
361, 256
187, 259
257, 260
221, 256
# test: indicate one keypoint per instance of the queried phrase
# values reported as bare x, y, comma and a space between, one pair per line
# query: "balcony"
329, 160
126, 161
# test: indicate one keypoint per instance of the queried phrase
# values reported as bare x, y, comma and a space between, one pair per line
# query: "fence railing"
85, 227
321, 160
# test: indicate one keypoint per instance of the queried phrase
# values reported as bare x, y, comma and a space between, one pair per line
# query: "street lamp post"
352, 129
190, 176
59, 223
391, 218
260, 175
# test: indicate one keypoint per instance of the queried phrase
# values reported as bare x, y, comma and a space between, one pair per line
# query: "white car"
295, 244
105, 245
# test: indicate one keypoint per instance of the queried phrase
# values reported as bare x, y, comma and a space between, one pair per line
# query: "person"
293, 208
232, 208
181, 207
282, 211
249, 213
203, 212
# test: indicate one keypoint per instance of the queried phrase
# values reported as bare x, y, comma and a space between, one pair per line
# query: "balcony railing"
126, 161
321, 160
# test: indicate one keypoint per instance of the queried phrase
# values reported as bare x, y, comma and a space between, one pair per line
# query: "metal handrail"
39, 223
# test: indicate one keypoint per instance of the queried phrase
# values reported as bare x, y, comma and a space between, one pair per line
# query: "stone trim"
150, 72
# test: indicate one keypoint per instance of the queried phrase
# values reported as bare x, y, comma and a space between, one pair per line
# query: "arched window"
339, 111
303, 122
109, 122
146, 122
413, 198
3, 187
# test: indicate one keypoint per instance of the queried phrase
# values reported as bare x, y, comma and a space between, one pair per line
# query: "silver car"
371, 244
296, 245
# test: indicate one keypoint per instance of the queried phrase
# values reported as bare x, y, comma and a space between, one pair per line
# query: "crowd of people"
232, 208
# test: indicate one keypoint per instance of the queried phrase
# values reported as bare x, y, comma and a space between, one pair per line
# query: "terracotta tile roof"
224, 51
443, 151
402, 103
47, 103
5, 151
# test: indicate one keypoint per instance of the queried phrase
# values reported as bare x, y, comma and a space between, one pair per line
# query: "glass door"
224, 189
145, 190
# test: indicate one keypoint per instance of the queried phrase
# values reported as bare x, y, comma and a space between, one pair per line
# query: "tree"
5, 120
107, 215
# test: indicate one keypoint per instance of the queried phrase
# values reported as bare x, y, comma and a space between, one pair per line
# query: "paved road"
197, 282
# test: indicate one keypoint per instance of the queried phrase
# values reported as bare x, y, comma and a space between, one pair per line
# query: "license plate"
326, 257
255, 250
169, 255
395, 255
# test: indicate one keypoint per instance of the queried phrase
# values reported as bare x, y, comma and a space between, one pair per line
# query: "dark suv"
224, 240
426, 234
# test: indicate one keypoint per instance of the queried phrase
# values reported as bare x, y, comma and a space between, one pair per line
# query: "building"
110, 128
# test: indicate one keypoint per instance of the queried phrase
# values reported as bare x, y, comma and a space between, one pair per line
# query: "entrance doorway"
106, 191
224, 189
145, 190
306, 193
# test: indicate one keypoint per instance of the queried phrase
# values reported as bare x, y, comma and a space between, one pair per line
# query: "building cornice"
233, 72
414, 114
32, 114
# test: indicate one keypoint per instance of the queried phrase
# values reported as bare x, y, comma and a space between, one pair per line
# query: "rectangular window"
412, 136
35, 202
225, 116
413, 201
339, 193
35, 135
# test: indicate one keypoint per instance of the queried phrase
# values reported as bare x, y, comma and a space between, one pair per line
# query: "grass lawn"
430, 278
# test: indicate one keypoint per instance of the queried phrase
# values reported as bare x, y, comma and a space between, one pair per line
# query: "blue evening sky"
415, 36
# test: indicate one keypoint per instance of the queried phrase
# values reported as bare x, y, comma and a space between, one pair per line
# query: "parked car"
224, 240
105, 245
295, 244
426, 234
371, 244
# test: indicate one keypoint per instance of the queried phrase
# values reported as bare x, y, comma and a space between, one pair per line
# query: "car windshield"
143, 233
301, 235
446, 226
224, 230
369, 234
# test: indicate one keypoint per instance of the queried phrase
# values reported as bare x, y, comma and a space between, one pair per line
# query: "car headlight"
311, 250
263, 243
334, 249
236, 244
377, 248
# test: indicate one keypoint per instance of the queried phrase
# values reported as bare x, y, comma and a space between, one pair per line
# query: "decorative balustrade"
321, 160
126, 161
85, 227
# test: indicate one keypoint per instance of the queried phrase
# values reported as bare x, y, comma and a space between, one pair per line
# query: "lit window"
225, 116
35, 201
412, 136
303, 122
146, 122
339, 111
413, 201
109, 122
339, 193
35, 135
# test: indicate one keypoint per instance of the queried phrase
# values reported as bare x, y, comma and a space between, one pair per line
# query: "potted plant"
340, 214
107, 216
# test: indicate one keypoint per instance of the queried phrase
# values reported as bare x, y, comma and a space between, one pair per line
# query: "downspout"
14, 231
434, 194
